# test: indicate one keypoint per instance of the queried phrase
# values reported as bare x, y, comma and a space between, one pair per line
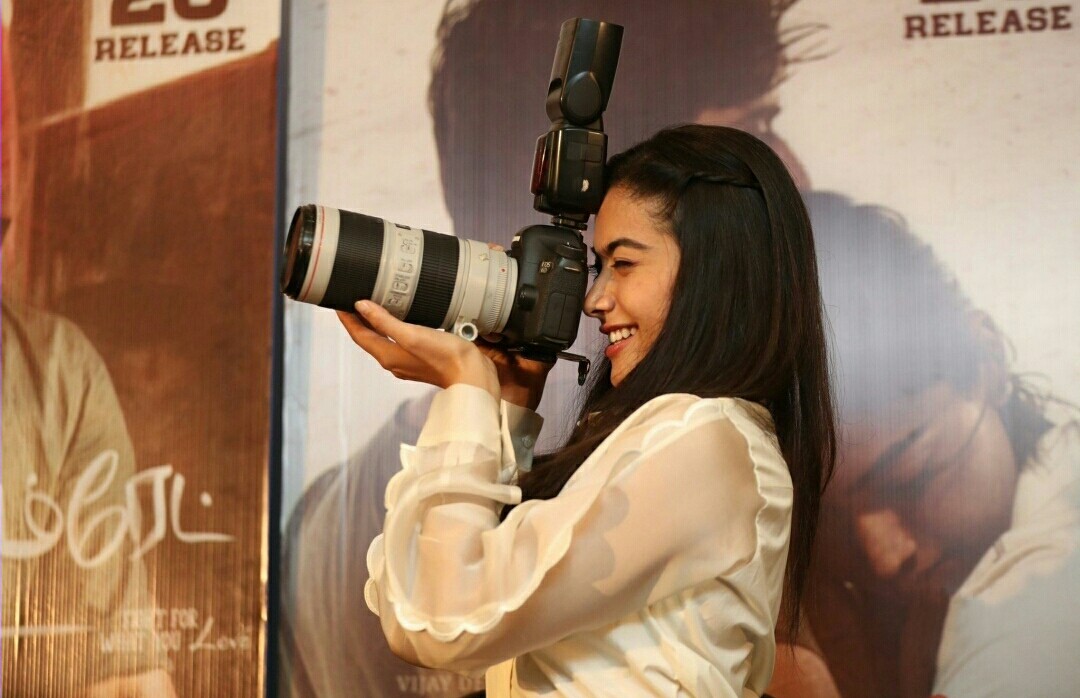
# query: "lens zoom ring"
438, 275
356, 265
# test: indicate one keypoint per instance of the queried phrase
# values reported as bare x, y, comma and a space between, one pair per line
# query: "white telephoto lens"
334, 258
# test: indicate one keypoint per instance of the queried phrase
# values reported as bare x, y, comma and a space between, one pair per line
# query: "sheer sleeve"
670, 500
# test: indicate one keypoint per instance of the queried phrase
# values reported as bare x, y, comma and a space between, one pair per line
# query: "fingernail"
364, 307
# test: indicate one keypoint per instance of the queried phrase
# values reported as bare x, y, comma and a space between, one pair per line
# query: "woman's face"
922, 489
637, 261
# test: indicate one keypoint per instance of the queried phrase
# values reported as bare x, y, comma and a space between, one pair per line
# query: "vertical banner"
935, 146
138, 207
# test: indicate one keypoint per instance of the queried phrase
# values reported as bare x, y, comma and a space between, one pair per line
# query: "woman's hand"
419, 353
521, 380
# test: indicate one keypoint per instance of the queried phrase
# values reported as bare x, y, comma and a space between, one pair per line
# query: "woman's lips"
614, 348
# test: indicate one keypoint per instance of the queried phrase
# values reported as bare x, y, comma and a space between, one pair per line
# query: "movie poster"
935, 144
138, 288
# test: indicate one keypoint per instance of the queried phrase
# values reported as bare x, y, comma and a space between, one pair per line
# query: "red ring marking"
318, 251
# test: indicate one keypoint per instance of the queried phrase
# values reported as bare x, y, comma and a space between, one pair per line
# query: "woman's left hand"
416, 353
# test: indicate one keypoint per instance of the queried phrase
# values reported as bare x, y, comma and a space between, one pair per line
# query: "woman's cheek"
970, 505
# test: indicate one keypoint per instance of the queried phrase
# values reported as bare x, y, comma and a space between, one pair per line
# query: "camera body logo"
941, 19
147, 29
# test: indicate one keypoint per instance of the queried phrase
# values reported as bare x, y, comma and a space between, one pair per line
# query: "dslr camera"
532, 295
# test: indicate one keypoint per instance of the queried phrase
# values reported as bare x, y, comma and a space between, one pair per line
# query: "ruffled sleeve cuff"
463, 414
468, 414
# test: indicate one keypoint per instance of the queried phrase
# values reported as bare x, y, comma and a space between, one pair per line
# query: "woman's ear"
994, 384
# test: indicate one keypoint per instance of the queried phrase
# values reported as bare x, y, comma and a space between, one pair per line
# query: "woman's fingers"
407, 351
390, 355
365, 336
354, 324
375, 341
376, 317
418, 353
387, 325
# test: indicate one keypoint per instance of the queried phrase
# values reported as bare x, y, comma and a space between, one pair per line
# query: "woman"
649, 555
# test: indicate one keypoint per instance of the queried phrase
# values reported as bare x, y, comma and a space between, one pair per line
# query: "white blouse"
656, 571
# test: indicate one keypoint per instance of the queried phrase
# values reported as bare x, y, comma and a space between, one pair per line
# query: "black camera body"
553, 276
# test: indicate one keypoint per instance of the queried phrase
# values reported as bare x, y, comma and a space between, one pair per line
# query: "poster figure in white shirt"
949, 552
579, 576
490, 71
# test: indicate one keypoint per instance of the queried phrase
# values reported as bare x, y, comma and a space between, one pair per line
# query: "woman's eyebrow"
889, 456
610, 248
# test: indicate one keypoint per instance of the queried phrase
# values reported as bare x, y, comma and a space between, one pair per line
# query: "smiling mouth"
621, 334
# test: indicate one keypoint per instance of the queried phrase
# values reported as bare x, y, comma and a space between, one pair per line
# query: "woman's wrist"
522, 396
478, 371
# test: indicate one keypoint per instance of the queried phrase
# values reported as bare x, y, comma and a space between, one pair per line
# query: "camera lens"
334, 258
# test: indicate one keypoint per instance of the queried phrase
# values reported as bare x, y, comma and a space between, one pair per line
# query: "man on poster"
65, 610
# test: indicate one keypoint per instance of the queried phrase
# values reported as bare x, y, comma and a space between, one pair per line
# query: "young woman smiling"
650, 554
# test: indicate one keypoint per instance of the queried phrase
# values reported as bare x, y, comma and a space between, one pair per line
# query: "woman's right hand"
521, 380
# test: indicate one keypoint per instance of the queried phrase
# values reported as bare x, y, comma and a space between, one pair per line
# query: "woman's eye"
596, 267
622, 264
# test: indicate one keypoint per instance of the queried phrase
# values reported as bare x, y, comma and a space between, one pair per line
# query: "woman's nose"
598, 301
886, 541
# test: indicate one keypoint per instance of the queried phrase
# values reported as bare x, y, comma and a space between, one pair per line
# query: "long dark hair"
745, 318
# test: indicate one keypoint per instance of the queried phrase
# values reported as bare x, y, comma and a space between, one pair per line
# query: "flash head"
568, 166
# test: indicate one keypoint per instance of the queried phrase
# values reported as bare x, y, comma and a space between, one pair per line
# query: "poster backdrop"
138, 209
937, 147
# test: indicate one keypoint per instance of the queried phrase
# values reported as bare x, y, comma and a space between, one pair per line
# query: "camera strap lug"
583, 364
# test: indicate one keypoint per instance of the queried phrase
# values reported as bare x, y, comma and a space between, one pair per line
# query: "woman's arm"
669, 502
